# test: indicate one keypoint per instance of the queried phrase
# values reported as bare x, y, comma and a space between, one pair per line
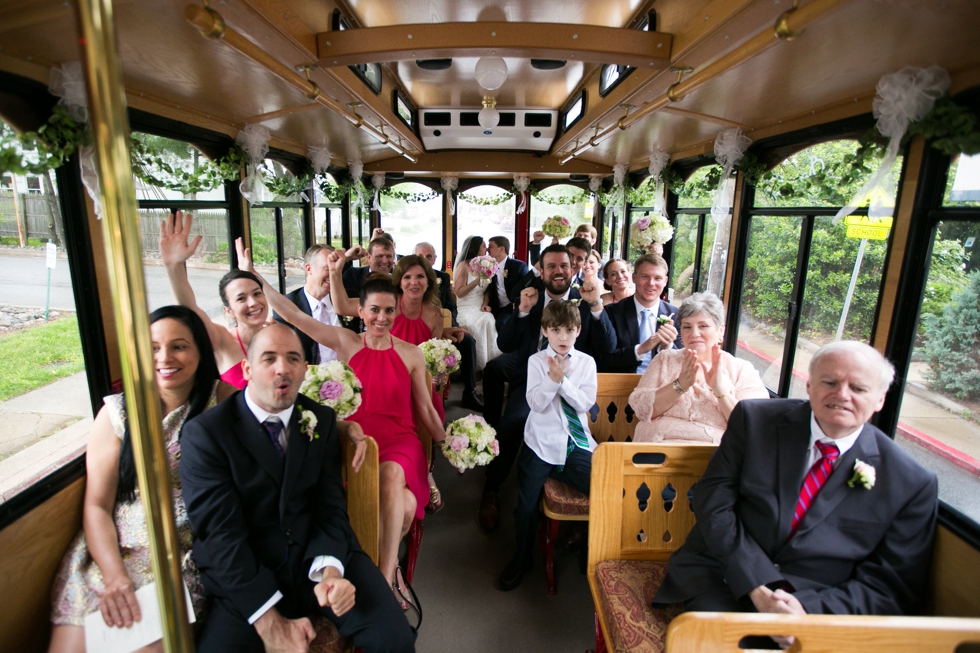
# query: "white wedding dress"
480, 324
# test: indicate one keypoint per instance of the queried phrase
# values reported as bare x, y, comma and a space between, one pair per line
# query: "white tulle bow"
378, 181
730, 147
68, 83
619, 189
595, 184
658, 162
254, 139
356, 172
902, 98
449, 184
521, 183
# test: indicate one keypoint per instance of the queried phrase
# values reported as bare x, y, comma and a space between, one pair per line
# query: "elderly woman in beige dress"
686, 395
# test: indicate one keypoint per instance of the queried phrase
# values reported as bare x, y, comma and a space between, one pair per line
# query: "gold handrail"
120, 226
791, 22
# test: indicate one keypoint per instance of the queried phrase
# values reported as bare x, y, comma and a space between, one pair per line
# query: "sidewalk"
44, 429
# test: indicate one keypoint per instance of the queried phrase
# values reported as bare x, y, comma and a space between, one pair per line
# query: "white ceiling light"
489, 116
491, 72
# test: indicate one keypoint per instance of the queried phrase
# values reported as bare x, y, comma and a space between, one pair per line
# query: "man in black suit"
578, 250
314, 300
461, 338
520, 337
806, 508
510, 271
633, 353
261, 479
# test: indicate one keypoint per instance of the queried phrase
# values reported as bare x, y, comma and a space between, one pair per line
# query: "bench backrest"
615, 421
629, 518
363, 498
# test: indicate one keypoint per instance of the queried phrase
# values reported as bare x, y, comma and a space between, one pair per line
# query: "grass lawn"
37, 356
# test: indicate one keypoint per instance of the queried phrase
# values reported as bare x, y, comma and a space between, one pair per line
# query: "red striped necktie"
818, 475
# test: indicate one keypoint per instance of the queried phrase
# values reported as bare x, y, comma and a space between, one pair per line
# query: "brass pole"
120, 225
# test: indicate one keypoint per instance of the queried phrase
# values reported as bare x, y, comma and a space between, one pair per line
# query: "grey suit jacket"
857, 551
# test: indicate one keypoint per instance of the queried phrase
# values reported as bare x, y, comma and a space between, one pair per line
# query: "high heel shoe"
435, 500
407, 599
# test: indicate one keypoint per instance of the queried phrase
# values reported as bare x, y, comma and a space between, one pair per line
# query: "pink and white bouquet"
557, 227
483, 267
470, 442
441, 358
333, 384
649, 230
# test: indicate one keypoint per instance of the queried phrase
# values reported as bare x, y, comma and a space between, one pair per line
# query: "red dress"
386, 415
416, 332
234, 375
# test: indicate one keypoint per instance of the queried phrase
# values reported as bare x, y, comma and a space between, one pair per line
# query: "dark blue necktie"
273, 426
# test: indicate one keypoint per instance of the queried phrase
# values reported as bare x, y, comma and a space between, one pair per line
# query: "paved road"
23, 282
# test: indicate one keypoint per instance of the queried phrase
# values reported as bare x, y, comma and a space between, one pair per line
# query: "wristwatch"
594, 304
678, 387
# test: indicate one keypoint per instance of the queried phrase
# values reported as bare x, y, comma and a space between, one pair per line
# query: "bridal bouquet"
470, 442
483, 267
333, 384
647, 231
441, 357
557, 227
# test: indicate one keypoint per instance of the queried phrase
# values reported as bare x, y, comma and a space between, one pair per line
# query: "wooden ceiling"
828, 71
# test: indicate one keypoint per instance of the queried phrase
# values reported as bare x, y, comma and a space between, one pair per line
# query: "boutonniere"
307, 422
864, 474
345, 319
662, 320
506, 272
576, 286
439, 281
574, 302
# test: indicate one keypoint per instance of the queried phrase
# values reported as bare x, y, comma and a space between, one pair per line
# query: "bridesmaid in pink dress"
392, 372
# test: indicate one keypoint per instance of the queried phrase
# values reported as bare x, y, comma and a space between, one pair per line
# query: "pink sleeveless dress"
386, 415
416, 332
234, 375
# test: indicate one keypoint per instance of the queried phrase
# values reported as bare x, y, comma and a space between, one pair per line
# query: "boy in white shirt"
561, 389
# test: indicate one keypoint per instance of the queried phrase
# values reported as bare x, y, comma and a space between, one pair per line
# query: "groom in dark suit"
806, 508
509, 274
261, 480
638, 316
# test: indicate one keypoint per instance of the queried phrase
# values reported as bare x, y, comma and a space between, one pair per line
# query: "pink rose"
565, 221
450, 360
458, 442
495, 448
331, 390
643, 224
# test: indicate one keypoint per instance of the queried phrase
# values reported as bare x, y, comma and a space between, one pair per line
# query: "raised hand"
591, 293
537, 237
118, 605
244, 256
174, 231
335, 260
556, 369
716, 378
529, 299
689, 368
354, 252
377, 233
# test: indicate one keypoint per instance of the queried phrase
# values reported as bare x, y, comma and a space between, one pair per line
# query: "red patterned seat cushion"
626, 589
328, 640
563, 499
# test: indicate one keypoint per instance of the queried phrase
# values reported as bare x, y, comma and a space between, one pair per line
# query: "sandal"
407, 598
435, 500
398, 596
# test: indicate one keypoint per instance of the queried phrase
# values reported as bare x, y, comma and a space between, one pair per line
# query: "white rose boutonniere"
506, 272
307, 422
864, 475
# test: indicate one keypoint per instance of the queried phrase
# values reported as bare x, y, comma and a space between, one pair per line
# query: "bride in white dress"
471, 300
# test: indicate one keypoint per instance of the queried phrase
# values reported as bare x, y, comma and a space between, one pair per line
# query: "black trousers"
532, 472
375, 623
467, 363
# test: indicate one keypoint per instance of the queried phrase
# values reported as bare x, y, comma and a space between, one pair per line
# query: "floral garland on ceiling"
55, 141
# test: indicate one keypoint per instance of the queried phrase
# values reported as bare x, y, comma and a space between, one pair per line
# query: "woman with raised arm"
616, 279
473, 302
245, 305
392, 373
110, 559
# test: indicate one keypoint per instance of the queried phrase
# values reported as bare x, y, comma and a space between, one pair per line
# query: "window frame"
396, 97
340, 22
580, 96
623, 72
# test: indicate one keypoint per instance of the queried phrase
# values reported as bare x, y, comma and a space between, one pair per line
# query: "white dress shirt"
817, 434
654, 314
546, 430
320, 562
501, 289
324, 313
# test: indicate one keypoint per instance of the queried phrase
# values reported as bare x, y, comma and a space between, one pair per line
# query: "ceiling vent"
459, 129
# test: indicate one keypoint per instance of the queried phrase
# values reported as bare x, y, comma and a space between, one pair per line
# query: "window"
403, 110
563, 200
610, 77
413, 215
487, 219
574, 112
278, 235
807, 281
370, 73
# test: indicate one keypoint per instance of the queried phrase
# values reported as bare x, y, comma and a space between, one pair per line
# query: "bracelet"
594, 304
723, 394
678, 388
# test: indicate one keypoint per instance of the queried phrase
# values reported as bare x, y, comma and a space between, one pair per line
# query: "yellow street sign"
865, 221
871, 233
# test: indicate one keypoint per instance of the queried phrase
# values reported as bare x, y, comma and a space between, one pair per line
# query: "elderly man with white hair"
807, 508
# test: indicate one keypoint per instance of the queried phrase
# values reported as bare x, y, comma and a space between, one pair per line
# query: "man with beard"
520, 338
261, 479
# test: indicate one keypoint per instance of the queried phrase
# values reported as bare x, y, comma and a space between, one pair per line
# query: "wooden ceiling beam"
488, 164
589, 43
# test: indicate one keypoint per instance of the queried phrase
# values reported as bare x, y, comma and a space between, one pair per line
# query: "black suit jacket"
311, 349
514, 271
521, 335
857, 551
446, 294
623, 316
353, 278
259, 522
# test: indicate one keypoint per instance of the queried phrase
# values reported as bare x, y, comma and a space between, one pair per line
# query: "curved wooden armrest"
363, 496
714, 632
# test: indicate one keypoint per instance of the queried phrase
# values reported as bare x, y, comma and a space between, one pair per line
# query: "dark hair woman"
110, 559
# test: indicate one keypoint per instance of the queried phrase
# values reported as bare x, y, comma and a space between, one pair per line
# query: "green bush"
952, 343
